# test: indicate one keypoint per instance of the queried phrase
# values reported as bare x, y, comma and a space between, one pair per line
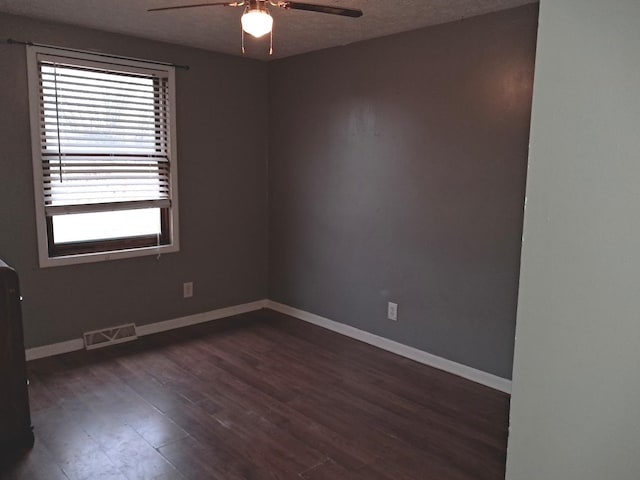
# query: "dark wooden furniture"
16, 432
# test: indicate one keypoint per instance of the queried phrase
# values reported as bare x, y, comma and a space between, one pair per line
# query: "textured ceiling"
218, 28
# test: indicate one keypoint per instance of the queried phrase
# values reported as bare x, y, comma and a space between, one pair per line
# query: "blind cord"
55, 86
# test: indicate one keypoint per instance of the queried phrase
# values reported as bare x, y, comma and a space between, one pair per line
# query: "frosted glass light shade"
257, 23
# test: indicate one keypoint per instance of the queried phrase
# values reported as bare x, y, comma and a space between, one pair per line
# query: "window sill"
75, 259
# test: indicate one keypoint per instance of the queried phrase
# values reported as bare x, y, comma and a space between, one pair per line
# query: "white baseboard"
199, 318
54, 349
478, 376
78, 344
406, 351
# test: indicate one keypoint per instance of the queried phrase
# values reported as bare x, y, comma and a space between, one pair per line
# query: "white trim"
142, 330
420, 356
199, 318
173, 161
478, 376
36, 153
54, 349
105, 256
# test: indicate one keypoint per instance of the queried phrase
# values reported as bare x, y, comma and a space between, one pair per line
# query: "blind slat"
64, 103
75, 127
81, 118
96, 92
63, 79
87, 182
67, 80
111, 98
140, 167
117, 140
90, 158
61, 110
105, 207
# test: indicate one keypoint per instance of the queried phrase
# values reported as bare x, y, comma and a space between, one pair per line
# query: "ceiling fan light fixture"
257, 22
256, 19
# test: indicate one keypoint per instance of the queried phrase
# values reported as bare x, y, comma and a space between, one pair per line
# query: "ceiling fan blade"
177, 7
345, 12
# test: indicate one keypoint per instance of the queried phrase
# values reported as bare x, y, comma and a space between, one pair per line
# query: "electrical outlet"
187, 289
392, 311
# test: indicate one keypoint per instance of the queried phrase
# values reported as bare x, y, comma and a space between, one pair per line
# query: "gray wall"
222, 222
396, 173
575, 409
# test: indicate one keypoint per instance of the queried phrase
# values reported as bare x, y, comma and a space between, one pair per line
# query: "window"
104, 156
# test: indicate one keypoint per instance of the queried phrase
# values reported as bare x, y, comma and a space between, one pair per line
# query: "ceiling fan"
256, 19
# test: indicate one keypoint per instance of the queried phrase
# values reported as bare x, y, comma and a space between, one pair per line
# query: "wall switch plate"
392, 311
187, 289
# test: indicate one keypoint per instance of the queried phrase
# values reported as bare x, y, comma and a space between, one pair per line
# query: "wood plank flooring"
258, 396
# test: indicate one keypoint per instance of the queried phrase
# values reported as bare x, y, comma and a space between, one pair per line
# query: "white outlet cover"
392, 311
187, 289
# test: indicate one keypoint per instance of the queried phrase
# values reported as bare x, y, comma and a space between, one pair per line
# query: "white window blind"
104, 137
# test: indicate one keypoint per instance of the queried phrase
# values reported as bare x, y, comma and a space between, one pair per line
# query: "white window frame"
87, 59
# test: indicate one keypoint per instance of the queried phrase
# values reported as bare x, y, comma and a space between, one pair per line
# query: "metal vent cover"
109, 336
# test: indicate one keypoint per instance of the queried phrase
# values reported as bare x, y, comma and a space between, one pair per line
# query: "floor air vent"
110, 336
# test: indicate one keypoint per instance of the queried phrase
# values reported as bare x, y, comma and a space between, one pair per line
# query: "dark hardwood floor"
258, 396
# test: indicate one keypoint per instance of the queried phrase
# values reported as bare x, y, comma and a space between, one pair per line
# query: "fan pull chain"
242, 35
271, 42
